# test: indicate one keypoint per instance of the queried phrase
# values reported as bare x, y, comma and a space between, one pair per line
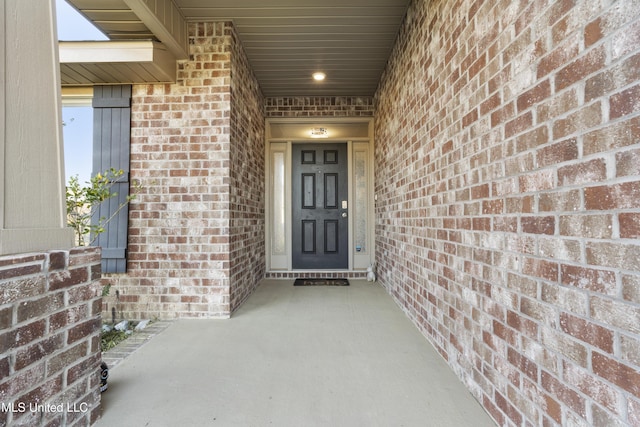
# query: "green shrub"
83, 202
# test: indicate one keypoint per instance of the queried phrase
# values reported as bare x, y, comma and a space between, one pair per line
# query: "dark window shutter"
111, 141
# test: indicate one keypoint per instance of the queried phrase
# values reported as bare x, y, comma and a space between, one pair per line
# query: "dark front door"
319, 191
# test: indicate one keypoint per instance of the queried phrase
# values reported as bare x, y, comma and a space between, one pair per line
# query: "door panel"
308, 196
320, 225
331, 191
331, 235
309, 236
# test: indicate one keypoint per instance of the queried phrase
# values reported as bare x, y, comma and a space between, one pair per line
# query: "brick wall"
194, 149
319, 106
50, 338
247, 201
508, 212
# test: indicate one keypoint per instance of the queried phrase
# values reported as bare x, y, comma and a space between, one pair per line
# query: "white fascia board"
97, 52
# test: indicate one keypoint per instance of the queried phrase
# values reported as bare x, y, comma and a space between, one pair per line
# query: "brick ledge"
341, 274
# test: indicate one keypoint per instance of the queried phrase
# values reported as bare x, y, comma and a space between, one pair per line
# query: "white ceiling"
287, 40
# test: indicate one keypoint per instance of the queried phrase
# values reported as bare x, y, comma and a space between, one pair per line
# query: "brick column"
50, 338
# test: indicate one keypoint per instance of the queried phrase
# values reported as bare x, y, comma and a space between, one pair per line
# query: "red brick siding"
50, 337
247, 201
197, 149
319, 106
507, 201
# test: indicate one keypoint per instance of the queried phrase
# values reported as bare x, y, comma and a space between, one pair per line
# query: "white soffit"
286, 41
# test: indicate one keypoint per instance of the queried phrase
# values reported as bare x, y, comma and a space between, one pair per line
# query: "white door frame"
280, 135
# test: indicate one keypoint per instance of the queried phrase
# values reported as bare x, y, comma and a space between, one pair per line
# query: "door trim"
280, 135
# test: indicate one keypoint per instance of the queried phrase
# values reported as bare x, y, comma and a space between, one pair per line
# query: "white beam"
166, 22
123, 55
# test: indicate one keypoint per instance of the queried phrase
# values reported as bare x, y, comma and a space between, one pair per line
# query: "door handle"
344, 214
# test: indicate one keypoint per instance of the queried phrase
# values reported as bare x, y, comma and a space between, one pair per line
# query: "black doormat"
321, 282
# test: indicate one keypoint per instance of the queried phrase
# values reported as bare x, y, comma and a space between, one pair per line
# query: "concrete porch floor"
292, 356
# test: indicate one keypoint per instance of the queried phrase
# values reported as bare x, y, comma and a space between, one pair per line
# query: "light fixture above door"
319, 133
319, 76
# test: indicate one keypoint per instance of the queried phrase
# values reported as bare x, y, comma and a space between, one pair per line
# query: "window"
77, 130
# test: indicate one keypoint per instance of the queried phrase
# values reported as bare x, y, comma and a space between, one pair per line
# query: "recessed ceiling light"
319, 76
